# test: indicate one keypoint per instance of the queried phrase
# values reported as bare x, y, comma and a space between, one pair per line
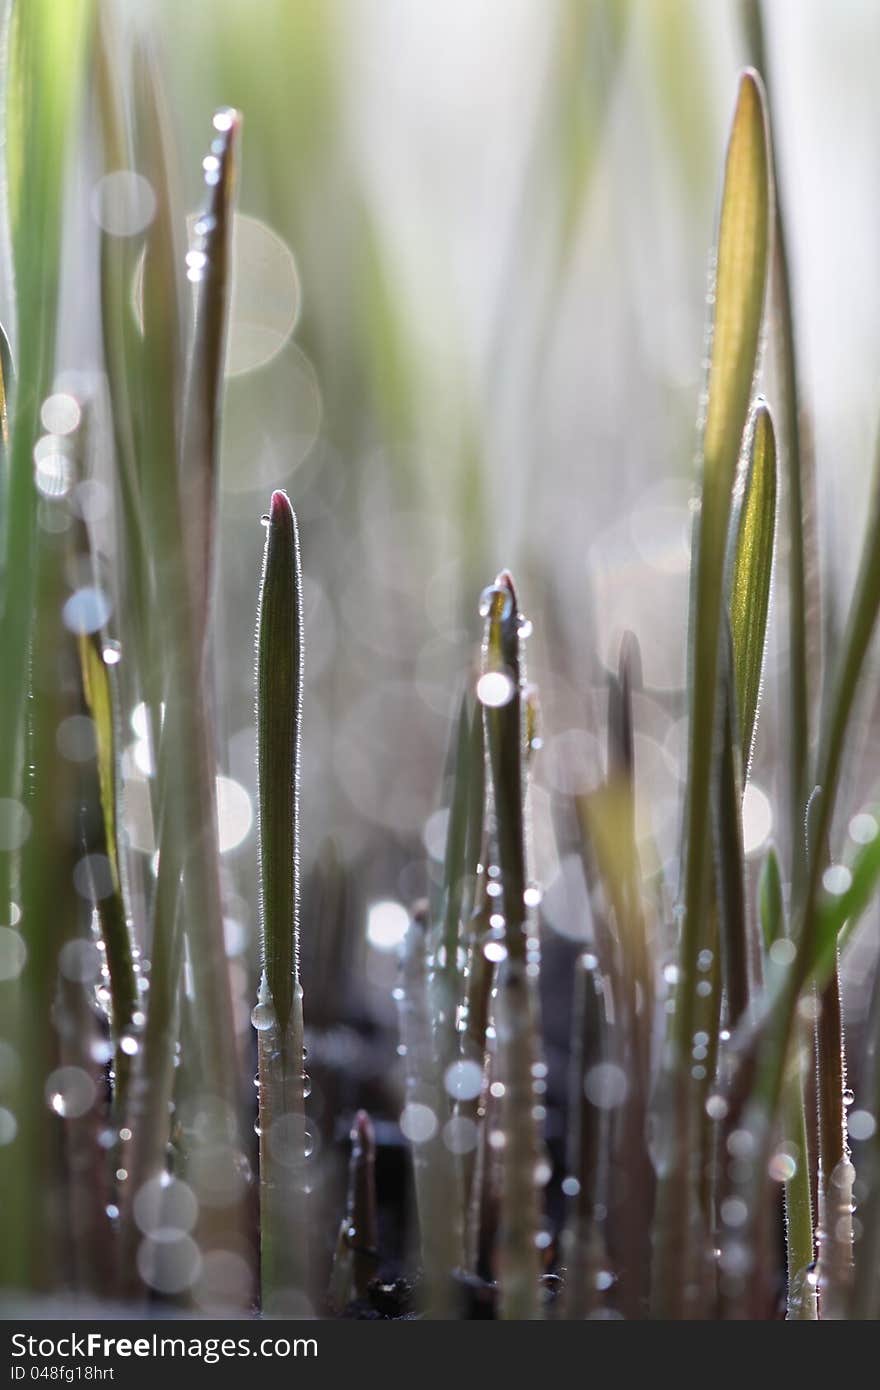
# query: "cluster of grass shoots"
695, 1115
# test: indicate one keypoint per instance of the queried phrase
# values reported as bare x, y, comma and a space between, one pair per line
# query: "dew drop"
495, 688
262, 1017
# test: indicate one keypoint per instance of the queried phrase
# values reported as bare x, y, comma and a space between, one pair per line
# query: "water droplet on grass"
263, 1017
495, 688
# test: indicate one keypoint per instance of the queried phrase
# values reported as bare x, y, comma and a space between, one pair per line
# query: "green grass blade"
356, 1258
771, 912
280, 1026
729, 847
740, 279
100, 699
447, 979
279, 721
799, 1237
209, 267
839, 912
437, 1198
49, 915
46, 51
752, 576
802, 566
500, 692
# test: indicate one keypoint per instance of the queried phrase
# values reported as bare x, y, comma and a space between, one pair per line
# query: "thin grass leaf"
97, 679
356, 1260
47, 46
439, 1203
740, 278
865, 1298
839, 912
279, 723
771, 912
500, 692
582, 1241
799, 1236
834, 1230
802, 566
727, 818
209, 268
278, 1015
32, 1240
446, 983
752, 576
187, 893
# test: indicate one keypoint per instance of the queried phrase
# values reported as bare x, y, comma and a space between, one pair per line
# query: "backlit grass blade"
799, 1239
278, 1016
727, 817
437, 1196
97, 679
583, 1242
500, 692
46, 50
751, 577
447, 973
32, 1240
187, 892
802, 560
835, 1185
865, 1300
209, 268
739, 285
356, 1259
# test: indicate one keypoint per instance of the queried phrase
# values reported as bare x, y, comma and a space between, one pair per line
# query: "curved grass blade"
751, 577
280, 1027
740, 279
802, 562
